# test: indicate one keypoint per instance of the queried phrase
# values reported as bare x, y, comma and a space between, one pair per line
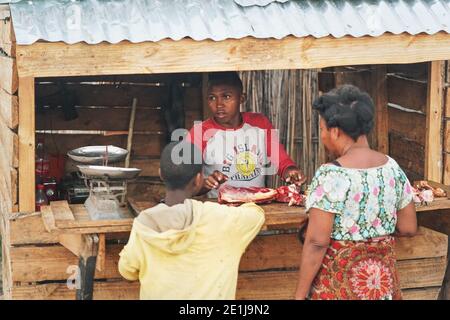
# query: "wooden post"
446, 178
434, 122
206, 111
26, 145
86, 263
379, 95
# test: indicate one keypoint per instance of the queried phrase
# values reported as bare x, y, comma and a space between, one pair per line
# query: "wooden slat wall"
371, 79
104, 104
407, 100
8, 140
267, 269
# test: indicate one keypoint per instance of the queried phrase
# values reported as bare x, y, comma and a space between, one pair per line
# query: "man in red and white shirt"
238, 148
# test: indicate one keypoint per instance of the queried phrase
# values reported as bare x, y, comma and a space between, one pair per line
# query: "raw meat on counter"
236, 196
290, 194
424, 193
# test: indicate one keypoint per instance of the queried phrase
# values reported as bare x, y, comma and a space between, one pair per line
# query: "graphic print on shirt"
240, 154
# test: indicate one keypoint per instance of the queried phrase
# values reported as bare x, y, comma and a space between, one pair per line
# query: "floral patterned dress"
360, 260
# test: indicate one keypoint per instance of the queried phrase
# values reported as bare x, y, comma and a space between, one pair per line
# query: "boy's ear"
159, 173
243, 97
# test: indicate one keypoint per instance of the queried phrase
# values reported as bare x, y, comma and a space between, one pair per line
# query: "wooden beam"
9, 109
8, 78
434, 122
26, 145
378, 77
206, 112
167, 56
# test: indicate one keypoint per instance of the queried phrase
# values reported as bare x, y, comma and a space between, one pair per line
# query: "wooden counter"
278, 215
268, 268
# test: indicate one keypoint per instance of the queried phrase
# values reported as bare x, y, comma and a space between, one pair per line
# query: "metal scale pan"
109, 172
98, 154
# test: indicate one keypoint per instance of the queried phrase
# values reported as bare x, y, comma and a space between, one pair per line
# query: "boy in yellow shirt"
184, 248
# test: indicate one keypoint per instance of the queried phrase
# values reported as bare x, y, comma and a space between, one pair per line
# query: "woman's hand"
215, 180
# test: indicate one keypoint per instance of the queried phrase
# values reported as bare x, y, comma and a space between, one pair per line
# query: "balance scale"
107, 185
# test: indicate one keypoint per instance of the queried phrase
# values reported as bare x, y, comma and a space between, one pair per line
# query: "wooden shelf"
60, 217
437, 204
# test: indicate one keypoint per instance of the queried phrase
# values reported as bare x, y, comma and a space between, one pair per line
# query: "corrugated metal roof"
94, 21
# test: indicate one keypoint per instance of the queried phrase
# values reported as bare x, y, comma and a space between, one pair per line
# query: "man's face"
224, 101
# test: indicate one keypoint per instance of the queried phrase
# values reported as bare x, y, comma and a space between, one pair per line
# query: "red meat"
236, 196
232, 195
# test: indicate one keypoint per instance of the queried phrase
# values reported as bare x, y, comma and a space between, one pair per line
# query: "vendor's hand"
295, 176
215, 180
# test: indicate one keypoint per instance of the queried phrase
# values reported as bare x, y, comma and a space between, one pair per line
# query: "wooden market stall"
41, 249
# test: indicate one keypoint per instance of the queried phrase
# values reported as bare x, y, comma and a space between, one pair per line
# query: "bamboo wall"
285, 97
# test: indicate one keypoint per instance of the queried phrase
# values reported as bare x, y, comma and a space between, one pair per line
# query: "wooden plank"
410, 125
48, 218
187, 55
75, 243
426, 243
94, 119
61, 212
144, 145
433, 144
8, 80
446, 168
408, 153
447, 101
420, 256
190, 79
430, 293
408, 93
30, 229
278, 215
111, 290
14, 185
26, 146
9, 109
446, 136
6, 28
380, 100
105, 95
415, 71
8, 143
7, 36
125, 290
437, 204
4, 11
101, 254
422, 272
206, 111
272, 252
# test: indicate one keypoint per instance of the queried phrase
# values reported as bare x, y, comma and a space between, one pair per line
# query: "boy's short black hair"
230, 78
180, 162
347, 108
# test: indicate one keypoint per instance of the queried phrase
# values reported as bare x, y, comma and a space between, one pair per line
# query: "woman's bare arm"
407, 221
317, 239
